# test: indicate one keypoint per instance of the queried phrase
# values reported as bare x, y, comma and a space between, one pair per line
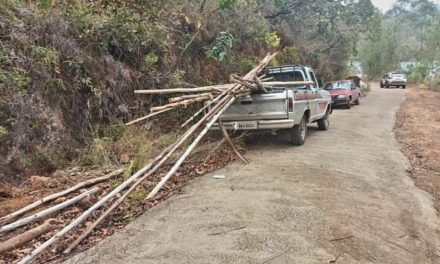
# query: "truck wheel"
381, 85
357, 102
324, 123
348, 106
299, 133
403, 86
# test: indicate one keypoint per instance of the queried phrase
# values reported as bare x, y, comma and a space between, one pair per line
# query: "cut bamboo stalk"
188, 150
214, 113
260, 85
27, 236
183, 103
115, 191
207, 105
47, 212
228, 139
248, 76
10, 217
185, 97
212, 88
284, 84
147, 116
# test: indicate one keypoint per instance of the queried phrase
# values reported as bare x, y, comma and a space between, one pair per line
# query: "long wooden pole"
10, 217
212, 88
147, 116
228, 139
188, 150
47, 212
27, 236
214, 114
115, 191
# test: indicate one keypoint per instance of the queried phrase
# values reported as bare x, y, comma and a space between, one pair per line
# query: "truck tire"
299, 133
381, 85
403, 86
357, 102
348, 106
324, 123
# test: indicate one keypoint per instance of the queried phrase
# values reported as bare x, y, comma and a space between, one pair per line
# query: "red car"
343, 92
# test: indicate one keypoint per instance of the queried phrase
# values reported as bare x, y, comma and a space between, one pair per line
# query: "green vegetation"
410, 32
68, 69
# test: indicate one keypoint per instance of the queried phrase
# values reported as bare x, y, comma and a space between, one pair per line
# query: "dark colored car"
343, 93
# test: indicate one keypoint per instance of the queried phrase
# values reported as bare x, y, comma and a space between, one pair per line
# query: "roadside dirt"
14, 197
418, 130
343, 197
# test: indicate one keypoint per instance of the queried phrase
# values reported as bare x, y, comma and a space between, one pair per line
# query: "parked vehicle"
288, 108
344, 92
393, 79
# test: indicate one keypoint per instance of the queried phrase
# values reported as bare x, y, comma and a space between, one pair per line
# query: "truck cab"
289, 108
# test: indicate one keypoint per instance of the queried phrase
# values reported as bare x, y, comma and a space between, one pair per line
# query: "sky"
383, 5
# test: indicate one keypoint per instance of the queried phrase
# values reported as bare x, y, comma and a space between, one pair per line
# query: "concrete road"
344, 196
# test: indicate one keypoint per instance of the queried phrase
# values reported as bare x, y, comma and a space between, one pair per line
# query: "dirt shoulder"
418, 130
344, 195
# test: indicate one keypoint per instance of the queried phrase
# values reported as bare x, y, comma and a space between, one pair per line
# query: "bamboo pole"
188, 150
6, 219
115, 191
147, 116
47, 212
228, 139
260, 85
183, 103
249, 75
233, 86
214, 113
27, 236
215, 88
212, 88
284, 84
185, 97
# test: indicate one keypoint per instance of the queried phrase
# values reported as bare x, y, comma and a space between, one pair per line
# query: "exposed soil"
418, 130
343, 197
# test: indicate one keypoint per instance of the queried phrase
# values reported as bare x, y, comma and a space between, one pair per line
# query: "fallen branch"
47, 212
226, 135
27, 236
10, 217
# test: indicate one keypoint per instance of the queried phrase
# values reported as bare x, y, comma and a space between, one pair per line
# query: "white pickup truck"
288, 108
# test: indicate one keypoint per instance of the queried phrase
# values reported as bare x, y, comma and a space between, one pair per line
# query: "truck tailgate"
258, 107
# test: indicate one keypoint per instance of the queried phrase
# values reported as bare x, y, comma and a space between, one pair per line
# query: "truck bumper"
260, 124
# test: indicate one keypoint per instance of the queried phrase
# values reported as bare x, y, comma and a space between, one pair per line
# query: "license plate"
245, 125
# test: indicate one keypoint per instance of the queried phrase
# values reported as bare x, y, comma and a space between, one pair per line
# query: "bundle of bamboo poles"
218, 98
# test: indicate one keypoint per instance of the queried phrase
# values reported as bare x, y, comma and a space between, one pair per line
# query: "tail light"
290, 105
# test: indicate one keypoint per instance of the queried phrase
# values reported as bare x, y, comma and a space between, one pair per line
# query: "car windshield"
337, 86
398, 75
